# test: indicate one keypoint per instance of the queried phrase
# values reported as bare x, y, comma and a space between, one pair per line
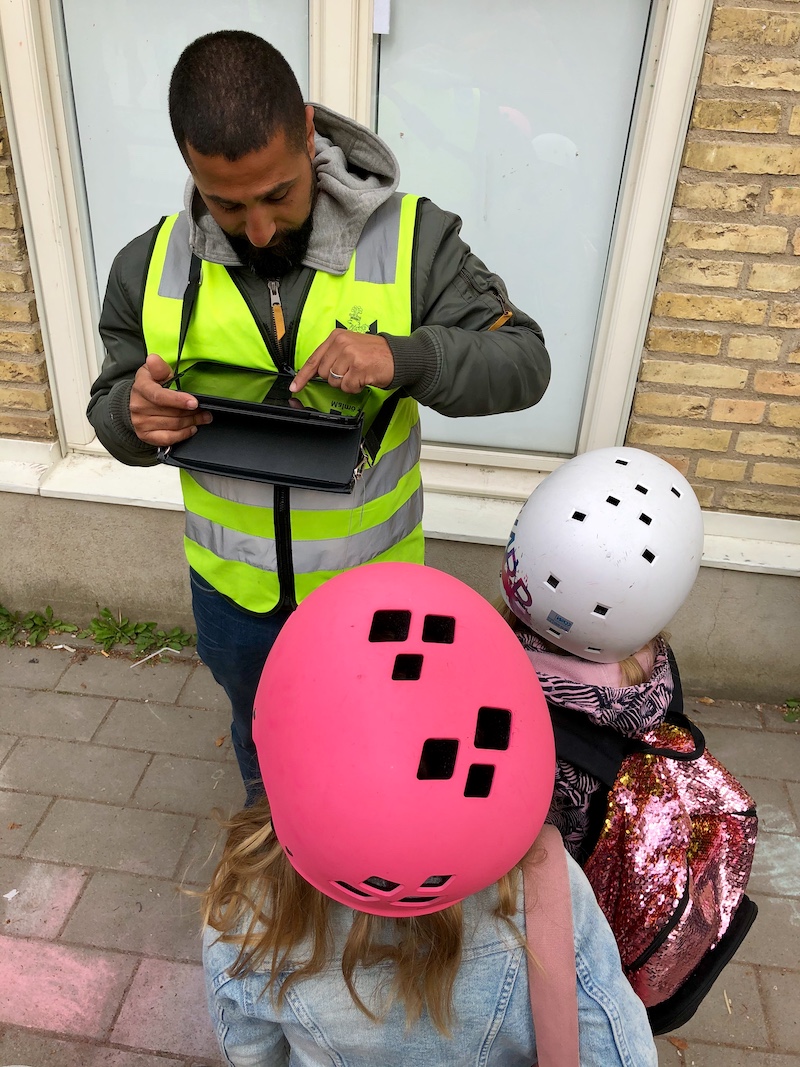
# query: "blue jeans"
234, 645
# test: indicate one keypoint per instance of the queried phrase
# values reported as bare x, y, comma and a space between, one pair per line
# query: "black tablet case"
273, 439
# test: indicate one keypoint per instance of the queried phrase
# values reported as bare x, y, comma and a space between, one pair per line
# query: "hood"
355, 171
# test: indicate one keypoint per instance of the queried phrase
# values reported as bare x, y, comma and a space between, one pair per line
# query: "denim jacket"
319, 1024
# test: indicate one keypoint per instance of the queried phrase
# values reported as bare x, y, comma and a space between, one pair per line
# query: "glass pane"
121, 56
515, 115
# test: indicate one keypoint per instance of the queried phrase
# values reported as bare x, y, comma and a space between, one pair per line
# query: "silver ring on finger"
333, 374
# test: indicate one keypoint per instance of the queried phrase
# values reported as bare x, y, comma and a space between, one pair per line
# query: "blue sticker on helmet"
560, 621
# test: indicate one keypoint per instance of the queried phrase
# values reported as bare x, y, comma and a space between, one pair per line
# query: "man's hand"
350, 361
162, 416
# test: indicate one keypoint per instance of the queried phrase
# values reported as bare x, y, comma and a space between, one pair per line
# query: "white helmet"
604, 552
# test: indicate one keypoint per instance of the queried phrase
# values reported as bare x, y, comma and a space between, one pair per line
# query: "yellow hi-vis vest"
263, 546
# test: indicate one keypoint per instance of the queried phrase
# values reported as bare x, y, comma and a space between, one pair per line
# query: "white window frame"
471, 494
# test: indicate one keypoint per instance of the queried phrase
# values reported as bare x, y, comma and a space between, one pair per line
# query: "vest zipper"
281, 511
269, 333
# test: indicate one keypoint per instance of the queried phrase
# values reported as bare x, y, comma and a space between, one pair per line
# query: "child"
371, 910
600, 558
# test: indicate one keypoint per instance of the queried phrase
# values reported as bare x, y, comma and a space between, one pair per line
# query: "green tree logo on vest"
355, 323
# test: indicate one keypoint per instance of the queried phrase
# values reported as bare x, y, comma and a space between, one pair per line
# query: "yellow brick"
28, 398
793, 357
721, 470
13, 282
787, 316
704, 494
673, 372
782, 382
754, 346
774, 277
744, 116
763, 443
752, 72
742, 158
784, 201
12, 246
772, 504
6, 179
794, 121
721, 273
710, 308
9, 216
644, 433
716, 196
742, 25
776, 474
693, 342
17, 370
24, 341
785, 416
727, 236
21, 424
747, 411
796, 243
17, 309
670, 406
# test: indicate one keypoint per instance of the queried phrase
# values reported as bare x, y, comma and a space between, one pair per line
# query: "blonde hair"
633, 673
258, 901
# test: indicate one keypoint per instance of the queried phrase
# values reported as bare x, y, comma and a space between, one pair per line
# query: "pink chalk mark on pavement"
45, 895
60, 989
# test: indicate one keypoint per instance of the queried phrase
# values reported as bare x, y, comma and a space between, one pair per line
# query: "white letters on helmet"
604, 553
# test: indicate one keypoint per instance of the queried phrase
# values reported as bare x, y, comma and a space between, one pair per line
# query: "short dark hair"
230, 93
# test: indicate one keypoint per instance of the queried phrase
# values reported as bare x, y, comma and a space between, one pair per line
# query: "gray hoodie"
450, 361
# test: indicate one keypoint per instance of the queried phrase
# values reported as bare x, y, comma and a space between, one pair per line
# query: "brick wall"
26, 409
719, 386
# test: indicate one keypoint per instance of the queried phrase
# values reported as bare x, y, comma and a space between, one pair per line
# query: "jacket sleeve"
613, 1027
123, 338
452, 362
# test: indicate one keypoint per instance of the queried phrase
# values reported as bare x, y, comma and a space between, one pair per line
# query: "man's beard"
279, 259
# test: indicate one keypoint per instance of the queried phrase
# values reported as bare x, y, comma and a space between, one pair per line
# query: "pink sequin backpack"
673, 857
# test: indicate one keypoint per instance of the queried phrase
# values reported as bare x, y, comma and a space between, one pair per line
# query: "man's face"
263, 201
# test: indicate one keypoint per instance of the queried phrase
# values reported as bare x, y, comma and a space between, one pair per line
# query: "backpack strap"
551, 972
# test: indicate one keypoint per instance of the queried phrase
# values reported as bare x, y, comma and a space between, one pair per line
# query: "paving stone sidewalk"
108, 776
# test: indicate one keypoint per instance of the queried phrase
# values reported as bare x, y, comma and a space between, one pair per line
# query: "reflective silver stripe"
340, 553
228, 544
337, 554
374, 482
376, 251
175, 272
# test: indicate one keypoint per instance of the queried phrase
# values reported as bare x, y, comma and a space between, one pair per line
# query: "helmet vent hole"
439, 629
553, 582
438, 759
648, 555
407, 668
493, 729
641, 489
416, 900
645, 519
381, 884
591, 649
352, 889
390, 626
579, 516
479, 780
612, 500
600, 609
622, 462
555, 633
677, 492
436, 881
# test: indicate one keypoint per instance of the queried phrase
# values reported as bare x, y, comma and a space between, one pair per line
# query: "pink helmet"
404, 741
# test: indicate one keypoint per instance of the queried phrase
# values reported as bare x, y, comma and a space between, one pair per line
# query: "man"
310, 263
